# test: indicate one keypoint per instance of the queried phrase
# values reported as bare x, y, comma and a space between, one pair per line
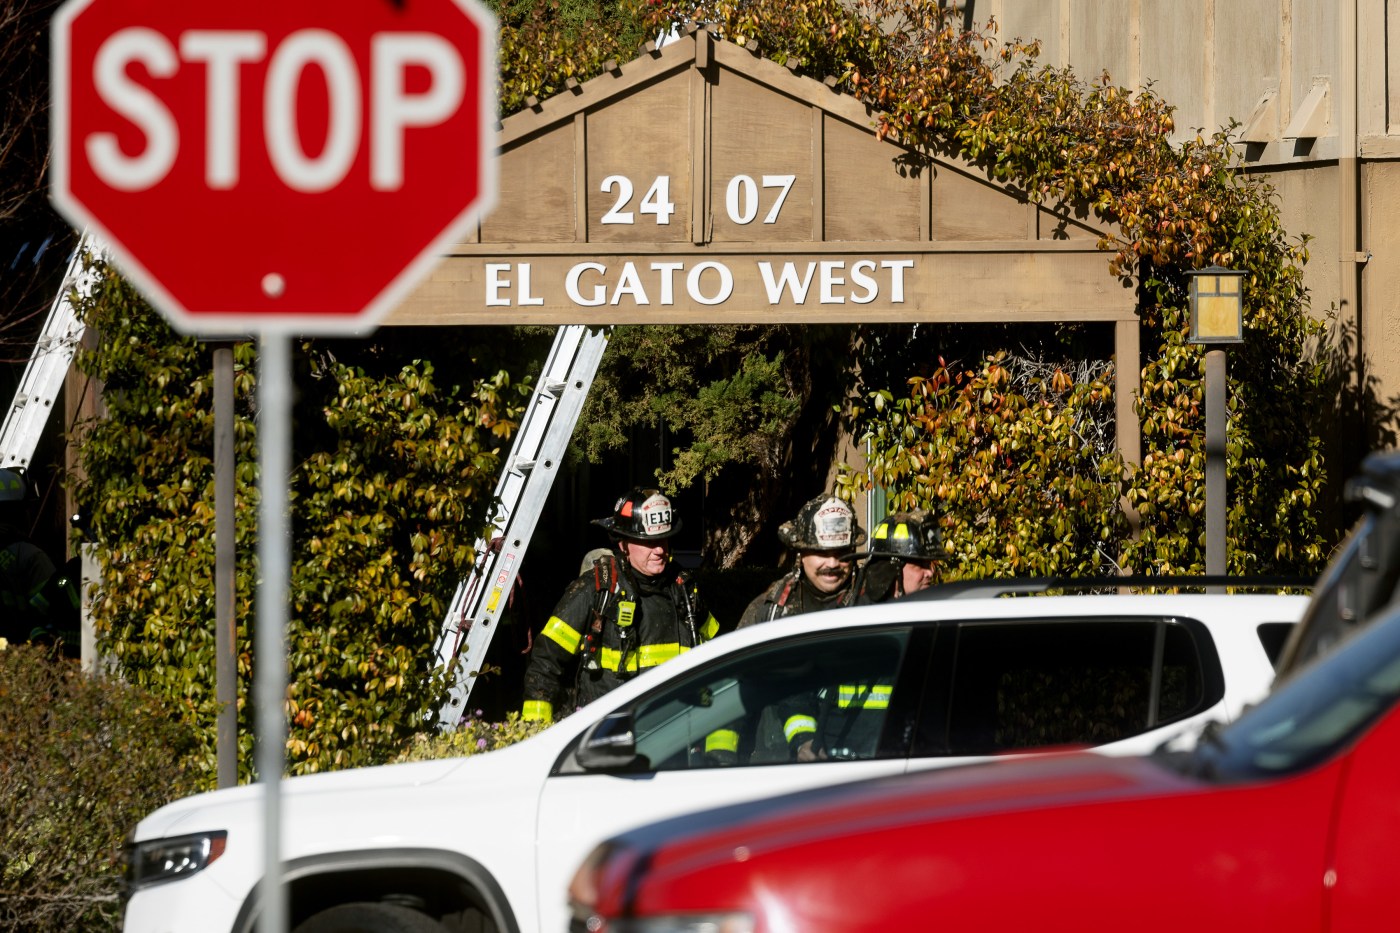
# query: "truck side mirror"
609, 744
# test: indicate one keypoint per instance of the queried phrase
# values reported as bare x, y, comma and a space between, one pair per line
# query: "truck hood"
338, 790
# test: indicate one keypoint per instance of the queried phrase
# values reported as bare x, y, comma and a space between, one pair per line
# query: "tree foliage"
391, 481
542, 46
1017, 452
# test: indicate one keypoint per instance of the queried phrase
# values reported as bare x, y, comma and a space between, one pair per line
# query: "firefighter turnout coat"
791, 595
610, 624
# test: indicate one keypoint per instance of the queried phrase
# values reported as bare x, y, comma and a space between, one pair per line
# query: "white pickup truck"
487, 844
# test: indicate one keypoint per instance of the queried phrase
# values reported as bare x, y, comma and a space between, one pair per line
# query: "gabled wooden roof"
702, 183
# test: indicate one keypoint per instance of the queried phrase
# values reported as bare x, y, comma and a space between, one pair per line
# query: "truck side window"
1032, 684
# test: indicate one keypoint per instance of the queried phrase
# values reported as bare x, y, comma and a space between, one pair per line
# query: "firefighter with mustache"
824, 535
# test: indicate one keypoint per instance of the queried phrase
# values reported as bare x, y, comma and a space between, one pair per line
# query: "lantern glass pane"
1217, 316
1217, 307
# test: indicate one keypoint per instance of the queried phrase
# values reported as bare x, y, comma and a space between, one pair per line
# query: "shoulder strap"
605, 584
781, 601
780, 592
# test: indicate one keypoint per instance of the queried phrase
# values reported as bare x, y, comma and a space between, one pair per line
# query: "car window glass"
832, 693
1031, 684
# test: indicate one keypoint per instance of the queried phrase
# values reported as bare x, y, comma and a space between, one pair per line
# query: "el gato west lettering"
663, 282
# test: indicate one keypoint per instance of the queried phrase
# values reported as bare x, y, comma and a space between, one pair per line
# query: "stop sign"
274, 165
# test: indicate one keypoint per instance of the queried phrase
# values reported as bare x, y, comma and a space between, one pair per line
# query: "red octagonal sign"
274, 165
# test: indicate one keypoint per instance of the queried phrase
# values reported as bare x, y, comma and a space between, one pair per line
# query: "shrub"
392, 471
82, 759
1014, 460
473, 737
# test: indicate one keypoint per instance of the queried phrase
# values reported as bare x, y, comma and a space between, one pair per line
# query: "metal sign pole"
274, 563
225, 534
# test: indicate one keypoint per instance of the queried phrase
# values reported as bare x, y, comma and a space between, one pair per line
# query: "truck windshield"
1363, 579
1313, 716
1335, 610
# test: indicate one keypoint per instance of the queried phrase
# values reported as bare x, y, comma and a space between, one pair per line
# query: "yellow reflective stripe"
653, 655
876, 697
710, 629
796, 725
722, 740
537, 711
562, 633
645, 656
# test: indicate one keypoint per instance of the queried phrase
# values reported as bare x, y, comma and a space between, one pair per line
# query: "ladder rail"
48, 364
519, 498
524, 449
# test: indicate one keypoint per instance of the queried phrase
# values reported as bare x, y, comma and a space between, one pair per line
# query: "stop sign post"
271, 165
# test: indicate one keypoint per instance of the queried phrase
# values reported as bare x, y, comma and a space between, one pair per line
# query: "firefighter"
630, 610
36, 601
847, 718
905, 549
825, 535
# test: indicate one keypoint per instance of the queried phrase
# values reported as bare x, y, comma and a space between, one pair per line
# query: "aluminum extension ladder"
48, 365
520, 495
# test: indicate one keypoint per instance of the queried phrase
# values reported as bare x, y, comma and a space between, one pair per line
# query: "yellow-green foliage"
1009, 459
543, 45
81, 760
392, 474
473, 736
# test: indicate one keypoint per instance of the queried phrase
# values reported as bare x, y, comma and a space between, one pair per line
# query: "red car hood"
922, 797
872, 855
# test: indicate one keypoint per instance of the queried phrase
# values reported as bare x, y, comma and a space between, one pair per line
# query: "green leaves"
84, 758
1010, 457
543, 45
729, 395
391, 481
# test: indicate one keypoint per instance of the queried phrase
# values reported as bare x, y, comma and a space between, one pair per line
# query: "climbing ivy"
1015, 459
543, 46
393, 470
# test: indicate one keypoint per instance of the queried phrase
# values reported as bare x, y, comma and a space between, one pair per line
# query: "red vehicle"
1285, 820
